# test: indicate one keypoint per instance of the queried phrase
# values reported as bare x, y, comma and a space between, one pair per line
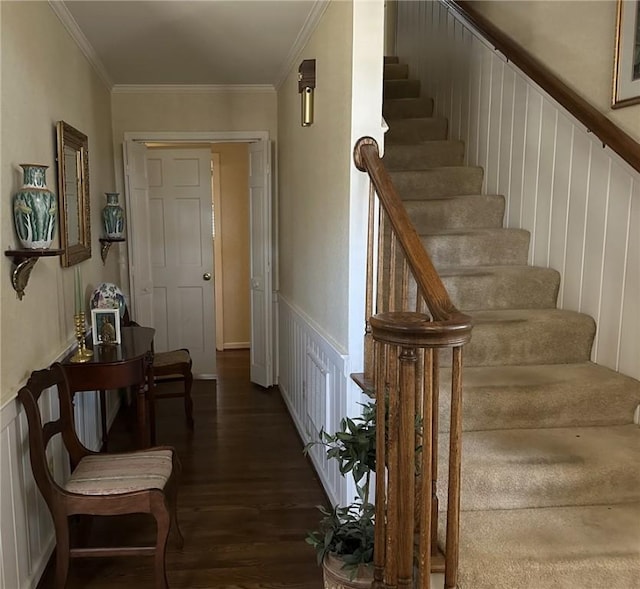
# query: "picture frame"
105, 326
626, 74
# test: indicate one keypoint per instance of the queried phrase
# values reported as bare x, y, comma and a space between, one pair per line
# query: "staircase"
551, 456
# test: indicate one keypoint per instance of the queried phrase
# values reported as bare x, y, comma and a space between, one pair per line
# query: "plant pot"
335, 577
35, 209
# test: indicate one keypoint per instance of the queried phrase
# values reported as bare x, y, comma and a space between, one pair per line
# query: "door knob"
206, 276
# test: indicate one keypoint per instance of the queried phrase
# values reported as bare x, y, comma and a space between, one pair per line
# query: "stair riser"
535, 468
416, 130
401, 89
588, 400
549, 341
591, 547
436, 182
510, 290
407, 108
485, 248
396, 71
456, 213
423, 156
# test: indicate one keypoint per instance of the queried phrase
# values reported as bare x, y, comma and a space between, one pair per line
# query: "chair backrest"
126, 319
40, 434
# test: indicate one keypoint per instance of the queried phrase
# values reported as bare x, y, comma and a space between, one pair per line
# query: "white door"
181, 245
260, 271
137, 199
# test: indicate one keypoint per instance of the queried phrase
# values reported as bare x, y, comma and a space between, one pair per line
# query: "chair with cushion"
144, 481
172, 366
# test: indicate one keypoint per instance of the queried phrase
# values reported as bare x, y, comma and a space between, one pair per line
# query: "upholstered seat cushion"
106, 474
162, 359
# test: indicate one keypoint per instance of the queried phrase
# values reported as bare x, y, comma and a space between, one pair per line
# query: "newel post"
405, 375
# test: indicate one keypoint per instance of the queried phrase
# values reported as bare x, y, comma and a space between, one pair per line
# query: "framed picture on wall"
105, 324
626, 74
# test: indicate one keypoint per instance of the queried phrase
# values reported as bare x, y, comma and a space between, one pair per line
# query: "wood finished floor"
246, 501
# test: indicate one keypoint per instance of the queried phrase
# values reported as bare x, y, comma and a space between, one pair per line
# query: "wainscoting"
315, 385
26, 529
580, 201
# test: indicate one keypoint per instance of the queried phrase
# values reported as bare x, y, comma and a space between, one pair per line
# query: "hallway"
246, 501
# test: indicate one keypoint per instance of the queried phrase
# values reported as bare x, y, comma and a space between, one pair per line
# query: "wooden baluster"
404, 293
391, 560
419, 437
426, 523
406, 466
368, 306
379, 551
393, 252
380, 274
455, 447
435, 409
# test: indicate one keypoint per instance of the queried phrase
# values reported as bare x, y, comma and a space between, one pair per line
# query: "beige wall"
45, 78
250, 110
575, 39
313, 178
235, 239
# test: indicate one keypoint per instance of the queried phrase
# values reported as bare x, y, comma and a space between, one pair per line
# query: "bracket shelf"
23, 263
106, 245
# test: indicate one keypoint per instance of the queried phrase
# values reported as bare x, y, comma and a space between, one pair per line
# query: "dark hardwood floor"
246, 501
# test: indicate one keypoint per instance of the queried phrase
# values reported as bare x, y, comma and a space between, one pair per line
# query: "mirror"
73, 195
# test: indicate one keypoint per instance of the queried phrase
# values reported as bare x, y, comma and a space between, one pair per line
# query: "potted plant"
345, 537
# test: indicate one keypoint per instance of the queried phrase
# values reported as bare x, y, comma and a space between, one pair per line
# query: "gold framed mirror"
73, 195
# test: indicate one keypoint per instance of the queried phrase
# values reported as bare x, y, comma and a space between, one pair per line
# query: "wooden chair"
172, 366
145, 481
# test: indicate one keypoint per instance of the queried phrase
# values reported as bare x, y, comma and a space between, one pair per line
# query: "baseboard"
236, 345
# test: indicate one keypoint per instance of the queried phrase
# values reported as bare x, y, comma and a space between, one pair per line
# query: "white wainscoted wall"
26, 529
317, 389
579, 200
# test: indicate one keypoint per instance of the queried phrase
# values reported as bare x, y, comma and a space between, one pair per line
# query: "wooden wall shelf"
23, 263
106, 245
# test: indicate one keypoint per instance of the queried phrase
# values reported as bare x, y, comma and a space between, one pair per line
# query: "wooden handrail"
367, 159
597, 123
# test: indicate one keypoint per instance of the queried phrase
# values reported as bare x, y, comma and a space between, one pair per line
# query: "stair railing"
409, 318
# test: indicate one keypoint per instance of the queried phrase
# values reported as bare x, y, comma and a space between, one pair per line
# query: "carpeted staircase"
551, 456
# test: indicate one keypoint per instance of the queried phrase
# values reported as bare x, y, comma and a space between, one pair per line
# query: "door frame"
178, 137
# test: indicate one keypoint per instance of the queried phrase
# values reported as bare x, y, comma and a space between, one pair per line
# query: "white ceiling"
190, 41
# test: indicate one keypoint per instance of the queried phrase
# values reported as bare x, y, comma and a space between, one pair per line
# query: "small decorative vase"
113, 216
35, 209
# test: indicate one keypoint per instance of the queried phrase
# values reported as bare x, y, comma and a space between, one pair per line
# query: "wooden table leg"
103, 420
142, 408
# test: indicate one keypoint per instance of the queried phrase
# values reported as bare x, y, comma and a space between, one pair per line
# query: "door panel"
140, 277
260, 220
182, 252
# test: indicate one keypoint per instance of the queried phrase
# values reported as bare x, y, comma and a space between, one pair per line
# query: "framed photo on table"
626, 74
105, 324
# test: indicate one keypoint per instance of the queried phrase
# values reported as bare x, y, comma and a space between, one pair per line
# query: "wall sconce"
306, 85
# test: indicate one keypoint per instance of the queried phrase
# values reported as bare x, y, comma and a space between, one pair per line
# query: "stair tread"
482, 270
585, 547
476, 231
485, 316
541, 396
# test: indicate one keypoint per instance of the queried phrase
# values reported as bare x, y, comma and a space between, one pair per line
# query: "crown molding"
192, 89
302, 39
66, 18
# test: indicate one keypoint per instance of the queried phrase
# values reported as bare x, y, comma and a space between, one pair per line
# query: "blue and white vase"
35, 209
113, 216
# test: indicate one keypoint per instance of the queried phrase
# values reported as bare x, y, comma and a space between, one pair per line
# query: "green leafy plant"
347, 532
